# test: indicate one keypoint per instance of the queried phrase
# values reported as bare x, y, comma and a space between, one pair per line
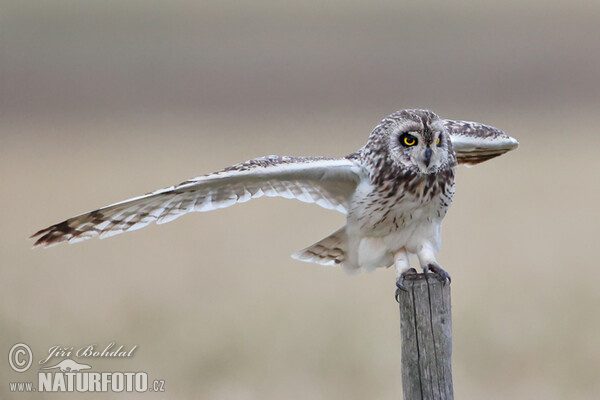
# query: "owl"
394, 191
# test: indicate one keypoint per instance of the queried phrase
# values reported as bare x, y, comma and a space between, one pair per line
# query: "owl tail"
329, 251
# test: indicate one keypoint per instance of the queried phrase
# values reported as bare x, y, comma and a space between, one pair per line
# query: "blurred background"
105, 100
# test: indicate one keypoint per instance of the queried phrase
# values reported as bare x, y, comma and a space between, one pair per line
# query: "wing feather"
474, 143
326, 182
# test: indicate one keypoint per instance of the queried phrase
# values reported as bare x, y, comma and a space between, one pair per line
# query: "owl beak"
427, 158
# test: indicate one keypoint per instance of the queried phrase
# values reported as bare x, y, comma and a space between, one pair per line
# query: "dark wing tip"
53, 235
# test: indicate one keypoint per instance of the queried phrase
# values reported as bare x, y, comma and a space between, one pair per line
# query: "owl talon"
397, 295
439, 271
400, 282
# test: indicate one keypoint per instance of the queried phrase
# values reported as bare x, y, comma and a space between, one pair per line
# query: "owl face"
419, 141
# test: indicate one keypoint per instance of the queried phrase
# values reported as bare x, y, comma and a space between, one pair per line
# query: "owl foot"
439, 271
400, 282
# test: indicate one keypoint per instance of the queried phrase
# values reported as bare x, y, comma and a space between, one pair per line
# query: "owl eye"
408, 140
437, 142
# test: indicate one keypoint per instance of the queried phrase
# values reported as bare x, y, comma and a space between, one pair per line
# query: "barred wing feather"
474, 143
326, 182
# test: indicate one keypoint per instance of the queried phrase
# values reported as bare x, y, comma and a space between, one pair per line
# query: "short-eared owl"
395, 192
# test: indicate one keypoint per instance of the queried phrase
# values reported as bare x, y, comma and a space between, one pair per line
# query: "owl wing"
474, 142
326, 182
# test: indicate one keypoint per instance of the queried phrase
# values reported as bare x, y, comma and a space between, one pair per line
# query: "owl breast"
401, 205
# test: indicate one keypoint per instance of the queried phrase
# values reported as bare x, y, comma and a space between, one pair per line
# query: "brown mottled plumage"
395, 191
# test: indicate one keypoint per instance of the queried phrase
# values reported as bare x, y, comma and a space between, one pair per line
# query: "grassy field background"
102, 101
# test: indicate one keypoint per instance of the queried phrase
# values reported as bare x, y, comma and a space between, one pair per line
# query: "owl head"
417, 140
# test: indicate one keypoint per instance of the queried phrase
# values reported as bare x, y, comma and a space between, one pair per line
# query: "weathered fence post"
426, 329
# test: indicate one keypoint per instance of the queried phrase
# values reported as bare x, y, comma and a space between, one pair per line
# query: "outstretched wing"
326, 182
474, 142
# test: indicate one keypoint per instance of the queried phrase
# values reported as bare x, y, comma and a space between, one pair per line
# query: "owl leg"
403, 268
429, 263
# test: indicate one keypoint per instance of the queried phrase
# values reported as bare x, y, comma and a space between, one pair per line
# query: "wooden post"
426, 329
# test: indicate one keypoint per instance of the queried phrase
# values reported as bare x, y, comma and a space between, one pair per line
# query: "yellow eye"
409, 140
437, 143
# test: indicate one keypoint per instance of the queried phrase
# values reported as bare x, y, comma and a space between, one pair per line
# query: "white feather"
328, 183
